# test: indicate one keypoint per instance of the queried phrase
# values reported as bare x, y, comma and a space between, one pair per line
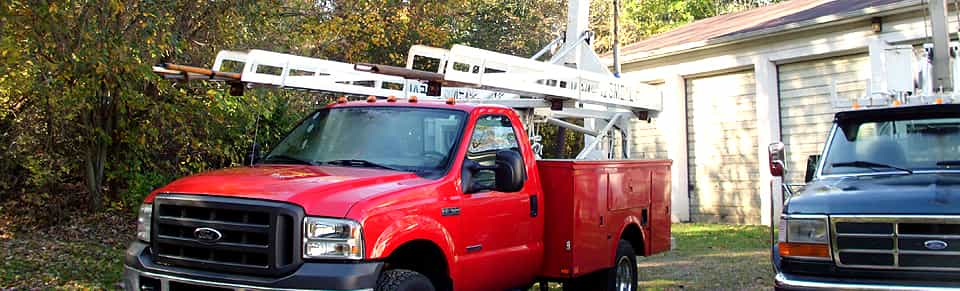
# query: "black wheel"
403, 280
623, 275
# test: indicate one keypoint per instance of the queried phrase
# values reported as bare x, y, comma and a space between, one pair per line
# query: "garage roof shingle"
766, 17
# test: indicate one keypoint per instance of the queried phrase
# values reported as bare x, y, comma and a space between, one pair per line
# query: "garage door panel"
823, 91
831, 66
806, 105
722, 147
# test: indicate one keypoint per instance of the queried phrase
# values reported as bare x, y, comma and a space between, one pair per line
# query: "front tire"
403, 280
623, 276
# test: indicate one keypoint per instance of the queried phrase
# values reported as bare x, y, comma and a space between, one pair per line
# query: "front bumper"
141, 271
793, 282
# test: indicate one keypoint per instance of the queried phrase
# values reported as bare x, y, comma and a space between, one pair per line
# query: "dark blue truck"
880, 209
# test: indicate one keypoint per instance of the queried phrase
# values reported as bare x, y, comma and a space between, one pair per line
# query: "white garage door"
648, 141
806, 111
722, 145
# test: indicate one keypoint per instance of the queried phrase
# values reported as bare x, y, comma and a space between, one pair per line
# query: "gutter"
819, 22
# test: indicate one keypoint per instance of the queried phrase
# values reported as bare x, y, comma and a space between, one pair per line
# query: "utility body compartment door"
589, 204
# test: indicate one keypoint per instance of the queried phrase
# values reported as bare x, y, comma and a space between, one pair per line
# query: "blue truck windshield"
894, 146
399, 138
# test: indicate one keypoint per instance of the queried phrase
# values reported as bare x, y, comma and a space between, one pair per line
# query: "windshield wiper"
869, 165
360, 163
949, 163
287, 159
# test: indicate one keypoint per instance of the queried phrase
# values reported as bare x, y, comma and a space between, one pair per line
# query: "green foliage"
85, 124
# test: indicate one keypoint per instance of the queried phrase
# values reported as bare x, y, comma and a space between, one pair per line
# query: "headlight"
805, 237
325, 238
143, 222
807, 231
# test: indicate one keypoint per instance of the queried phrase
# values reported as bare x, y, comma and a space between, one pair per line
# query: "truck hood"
321, 190
881, 194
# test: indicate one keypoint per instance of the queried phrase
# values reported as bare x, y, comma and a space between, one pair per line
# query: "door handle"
534, 207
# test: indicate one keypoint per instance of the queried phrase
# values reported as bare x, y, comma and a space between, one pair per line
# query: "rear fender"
628, 222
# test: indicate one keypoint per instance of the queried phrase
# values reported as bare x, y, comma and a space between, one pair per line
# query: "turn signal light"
804, 250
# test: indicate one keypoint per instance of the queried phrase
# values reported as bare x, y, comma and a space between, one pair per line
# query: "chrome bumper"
131, 281
784, 282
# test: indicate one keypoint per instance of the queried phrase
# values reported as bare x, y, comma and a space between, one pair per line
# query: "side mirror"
777, 152
812, 162
508, 174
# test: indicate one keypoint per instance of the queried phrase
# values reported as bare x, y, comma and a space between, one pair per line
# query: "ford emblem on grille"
935, 245
207, 235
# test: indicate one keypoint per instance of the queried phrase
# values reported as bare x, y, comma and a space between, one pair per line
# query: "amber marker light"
856, 105
371, 99
897, 103
412, 99
392, 98
342, 99
938, 101
451, 101
804, 250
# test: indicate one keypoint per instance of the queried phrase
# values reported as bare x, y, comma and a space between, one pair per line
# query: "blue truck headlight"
327, 238
804, 237
807, 231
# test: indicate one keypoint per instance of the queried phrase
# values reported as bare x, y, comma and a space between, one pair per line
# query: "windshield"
894, 146
399, 138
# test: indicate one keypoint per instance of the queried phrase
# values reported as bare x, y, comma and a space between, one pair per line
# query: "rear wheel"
623, 276
403, 280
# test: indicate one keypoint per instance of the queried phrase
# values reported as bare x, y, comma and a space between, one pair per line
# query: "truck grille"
909, 243
226, 234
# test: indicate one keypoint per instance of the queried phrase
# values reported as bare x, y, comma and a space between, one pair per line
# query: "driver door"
498, 230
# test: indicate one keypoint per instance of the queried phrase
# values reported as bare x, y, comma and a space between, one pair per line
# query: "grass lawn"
711, 256
706, 257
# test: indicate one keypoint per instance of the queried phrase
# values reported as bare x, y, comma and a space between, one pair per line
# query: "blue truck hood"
929, 194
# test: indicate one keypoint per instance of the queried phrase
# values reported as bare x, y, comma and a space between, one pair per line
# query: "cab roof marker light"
412, 99
392, 99
371, 99
342, 100
451, 101
939, 100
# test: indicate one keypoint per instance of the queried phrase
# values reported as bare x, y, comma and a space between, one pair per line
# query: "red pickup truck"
404, 195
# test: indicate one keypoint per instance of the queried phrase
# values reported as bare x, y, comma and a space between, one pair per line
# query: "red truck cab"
403, 195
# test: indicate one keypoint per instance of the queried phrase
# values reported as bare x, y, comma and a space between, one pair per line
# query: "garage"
806, 108
722, 148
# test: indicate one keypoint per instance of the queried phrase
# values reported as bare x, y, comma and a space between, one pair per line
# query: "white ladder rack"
480, 75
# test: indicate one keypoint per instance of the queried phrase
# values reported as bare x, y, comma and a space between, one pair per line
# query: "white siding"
648, 137
806, 111
722, 148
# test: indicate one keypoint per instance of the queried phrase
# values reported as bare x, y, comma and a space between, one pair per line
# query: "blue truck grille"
897, 242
